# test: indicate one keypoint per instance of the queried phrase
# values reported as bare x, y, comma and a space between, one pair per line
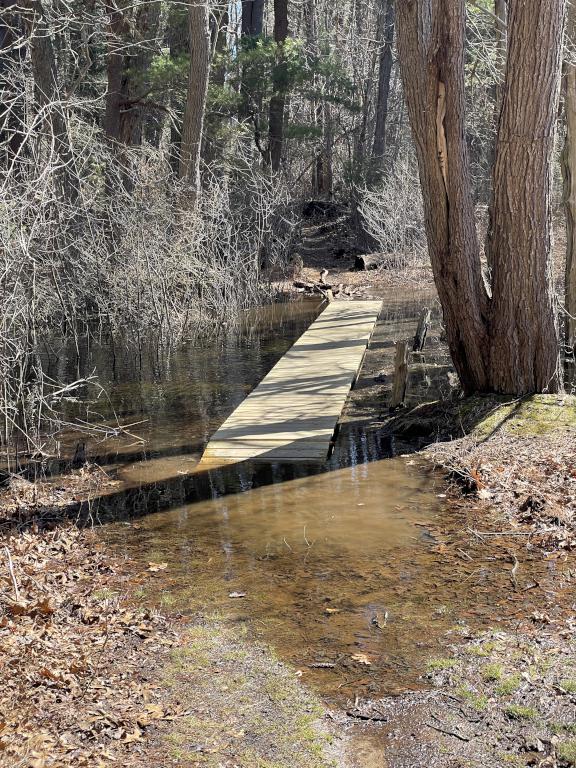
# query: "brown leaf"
155, 567
133, 736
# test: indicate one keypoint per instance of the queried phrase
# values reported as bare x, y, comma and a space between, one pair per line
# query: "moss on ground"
241, 705
567, 751
503, 685
534, 415
483, 416
437, 665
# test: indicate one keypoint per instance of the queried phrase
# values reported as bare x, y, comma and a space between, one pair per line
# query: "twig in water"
480, 534
377, 718
447, 732
306, 540
514, 570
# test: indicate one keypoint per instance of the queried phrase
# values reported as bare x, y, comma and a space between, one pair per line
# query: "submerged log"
422, 330
400, 375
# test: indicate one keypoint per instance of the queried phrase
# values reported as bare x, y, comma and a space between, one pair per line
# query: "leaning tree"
503, 337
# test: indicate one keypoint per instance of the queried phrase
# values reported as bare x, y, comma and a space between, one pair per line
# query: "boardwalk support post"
422, 330
400, 375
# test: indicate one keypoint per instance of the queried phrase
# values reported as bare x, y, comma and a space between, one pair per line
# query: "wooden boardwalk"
293, 413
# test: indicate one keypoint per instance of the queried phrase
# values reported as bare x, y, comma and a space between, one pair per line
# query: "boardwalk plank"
293, 413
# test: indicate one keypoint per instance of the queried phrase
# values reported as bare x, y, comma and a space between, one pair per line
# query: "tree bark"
278, 100
386, 40
134, 108
45, 73
194, 112
524, 342
252, 29
12, 128
129, 55
431, 36
252, 18
569, 174
178, 40
118, 29
509, 343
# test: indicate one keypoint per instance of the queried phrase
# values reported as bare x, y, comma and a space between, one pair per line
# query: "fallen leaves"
74, 683
156, 567
530, 480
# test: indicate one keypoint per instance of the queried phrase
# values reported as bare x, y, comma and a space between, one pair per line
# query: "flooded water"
340, 567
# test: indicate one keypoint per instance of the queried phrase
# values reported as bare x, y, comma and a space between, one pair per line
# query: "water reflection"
347, 568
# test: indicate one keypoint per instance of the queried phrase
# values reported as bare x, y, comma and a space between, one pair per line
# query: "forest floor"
91, 676
505, 696
327, 253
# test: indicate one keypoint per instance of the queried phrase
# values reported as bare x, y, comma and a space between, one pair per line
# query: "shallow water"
347, 569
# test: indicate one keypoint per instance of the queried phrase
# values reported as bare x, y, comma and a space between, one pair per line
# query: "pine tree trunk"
133, 109
178, 40
278, 99
252, 29
524, 341
386, 40
252, 18
118, 29
197, 93
431, 36
569, 174
45, 73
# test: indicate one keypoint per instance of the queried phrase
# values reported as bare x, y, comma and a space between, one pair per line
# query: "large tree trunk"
130, 53
178, 40
50, 100
134, 109
194, 112
569, 174
431, 36
118, 29
524, 348
252, 29
12, 127
252, 18
278, 99
386, 40
508, 344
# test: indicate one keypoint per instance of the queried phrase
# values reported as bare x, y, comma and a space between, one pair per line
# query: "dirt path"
326, 254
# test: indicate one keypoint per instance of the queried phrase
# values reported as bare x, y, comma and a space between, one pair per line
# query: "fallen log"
324, 289
305, 286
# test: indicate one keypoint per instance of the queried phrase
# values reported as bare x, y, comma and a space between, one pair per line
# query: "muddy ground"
90, 675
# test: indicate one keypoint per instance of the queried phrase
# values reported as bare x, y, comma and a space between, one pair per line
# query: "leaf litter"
77, 660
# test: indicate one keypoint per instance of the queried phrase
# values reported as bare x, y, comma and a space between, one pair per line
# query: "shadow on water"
346, 568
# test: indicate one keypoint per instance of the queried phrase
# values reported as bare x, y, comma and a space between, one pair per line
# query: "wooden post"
400, 375
422, 330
